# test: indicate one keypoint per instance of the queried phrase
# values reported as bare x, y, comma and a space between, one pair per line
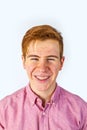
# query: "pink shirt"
23, 111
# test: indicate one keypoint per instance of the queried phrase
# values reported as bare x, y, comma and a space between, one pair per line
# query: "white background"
68, 16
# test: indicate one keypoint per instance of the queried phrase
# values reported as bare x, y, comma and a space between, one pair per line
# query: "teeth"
42, 78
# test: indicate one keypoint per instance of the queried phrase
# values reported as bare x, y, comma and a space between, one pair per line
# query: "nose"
43, 66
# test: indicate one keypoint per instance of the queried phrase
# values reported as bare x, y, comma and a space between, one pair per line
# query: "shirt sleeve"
85, 122
1, 118
1, 127
85, 125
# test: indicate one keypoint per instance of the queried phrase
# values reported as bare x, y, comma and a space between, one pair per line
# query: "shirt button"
43, 113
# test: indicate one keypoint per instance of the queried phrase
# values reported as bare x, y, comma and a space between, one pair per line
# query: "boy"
43, 104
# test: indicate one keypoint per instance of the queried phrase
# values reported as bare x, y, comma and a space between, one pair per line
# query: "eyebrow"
33, 56
49, 56
53, 56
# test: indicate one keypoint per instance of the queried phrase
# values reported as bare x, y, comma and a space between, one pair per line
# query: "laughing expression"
43, 64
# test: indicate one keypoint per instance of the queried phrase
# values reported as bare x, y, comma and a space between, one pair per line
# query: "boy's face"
43, 64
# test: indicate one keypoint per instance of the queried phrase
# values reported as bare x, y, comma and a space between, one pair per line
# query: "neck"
45, 100
45, 96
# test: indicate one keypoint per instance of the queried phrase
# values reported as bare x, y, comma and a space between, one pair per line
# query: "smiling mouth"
42, 78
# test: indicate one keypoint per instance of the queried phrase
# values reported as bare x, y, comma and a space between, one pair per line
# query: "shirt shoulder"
73, 100
11, 105
12, 98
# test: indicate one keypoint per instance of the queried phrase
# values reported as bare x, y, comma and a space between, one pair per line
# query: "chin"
43, 87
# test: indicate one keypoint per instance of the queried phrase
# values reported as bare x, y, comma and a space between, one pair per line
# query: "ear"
62, 62
23, 61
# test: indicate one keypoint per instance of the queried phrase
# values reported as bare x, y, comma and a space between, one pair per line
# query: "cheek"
55, 67
29, 68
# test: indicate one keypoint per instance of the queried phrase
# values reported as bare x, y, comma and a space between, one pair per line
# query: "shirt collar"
56, 94
33, 97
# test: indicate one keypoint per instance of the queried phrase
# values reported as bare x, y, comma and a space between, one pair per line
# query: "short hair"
41, 32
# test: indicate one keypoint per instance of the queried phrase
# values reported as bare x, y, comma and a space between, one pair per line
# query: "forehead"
44, 47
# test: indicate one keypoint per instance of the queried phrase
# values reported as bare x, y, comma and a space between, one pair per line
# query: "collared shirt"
23, 110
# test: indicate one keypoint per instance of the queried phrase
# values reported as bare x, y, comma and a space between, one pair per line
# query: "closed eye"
51, 59
34, 59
